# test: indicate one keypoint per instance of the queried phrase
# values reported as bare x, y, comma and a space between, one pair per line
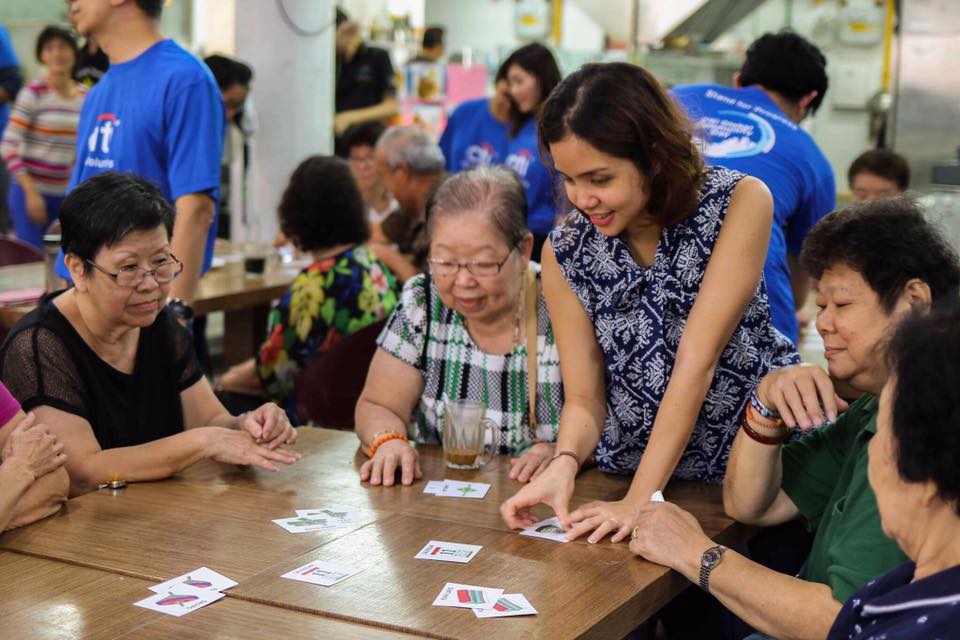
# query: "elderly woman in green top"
873, 264
460, 332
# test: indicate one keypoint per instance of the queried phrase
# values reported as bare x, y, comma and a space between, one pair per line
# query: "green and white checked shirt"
454, 368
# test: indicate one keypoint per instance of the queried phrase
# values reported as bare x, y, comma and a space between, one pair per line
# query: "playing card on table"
457, 489
448, 552
325, 574
202, 578
433, 486
509, 604
180, 600
548, 529
305, 524
335, 515
467, 596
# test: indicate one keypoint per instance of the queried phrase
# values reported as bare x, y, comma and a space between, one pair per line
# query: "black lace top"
45, 362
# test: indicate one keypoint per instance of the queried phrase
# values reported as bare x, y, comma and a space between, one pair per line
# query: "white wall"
292, 93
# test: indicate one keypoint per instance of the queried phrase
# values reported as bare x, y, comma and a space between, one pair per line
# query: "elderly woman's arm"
89, 465
389, 396
775, 604
267, 424
33, 482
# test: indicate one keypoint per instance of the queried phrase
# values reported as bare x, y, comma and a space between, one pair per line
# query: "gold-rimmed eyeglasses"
131, 276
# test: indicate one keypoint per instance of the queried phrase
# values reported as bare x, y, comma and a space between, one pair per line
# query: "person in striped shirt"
39, 142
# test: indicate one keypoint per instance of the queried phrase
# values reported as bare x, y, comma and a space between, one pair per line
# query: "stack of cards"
457, 489
319, 519
325, 574
187, 593
485, 602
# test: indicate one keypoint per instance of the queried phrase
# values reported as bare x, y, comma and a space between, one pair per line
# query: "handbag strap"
530, 319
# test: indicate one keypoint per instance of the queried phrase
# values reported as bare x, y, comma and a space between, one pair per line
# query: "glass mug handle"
489, 442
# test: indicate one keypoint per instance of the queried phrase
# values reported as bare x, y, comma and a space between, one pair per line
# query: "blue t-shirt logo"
520, 162
734, 134
101, 136
477, 155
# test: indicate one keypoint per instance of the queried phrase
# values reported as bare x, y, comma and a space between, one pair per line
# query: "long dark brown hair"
536, 60
622, 110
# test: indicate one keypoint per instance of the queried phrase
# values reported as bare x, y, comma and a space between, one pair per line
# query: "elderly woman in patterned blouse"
654, 284
458, 333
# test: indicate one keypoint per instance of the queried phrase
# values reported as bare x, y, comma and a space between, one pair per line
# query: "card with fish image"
509, 604
548, 529
467, 596
180, 600
325, 574
203, 579
336, 515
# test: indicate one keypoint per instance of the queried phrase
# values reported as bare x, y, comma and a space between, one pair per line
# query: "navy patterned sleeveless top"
638, 314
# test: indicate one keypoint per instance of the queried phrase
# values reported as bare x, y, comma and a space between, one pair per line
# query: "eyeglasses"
446, 268
360, 162
132, 275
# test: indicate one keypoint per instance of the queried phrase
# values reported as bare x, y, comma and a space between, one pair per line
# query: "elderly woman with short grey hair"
462, 331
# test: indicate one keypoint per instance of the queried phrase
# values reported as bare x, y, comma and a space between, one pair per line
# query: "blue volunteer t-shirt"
743, 129
8, 58
473, 137
523, 156
159, 116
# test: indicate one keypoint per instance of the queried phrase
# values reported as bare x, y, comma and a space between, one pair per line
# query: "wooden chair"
16, 252
328, 388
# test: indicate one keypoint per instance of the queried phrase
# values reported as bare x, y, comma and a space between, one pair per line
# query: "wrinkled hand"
32, 447
238, 447
532, 463
391, 456
668, 535
553, 488
803, 395
602, 518
36, 208
268, 425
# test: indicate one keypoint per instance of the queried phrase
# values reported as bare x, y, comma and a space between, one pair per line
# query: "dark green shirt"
825, 474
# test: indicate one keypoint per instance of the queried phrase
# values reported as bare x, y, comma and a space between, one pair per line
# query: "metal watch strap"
708, 562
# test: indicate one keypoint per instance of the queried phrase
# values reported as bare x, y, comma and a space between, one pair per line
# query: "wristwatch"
709, 560
180, 309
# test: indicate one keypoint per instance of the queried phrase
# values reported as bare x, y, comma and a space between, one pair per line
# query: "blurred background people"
878, 173
365, 86
477, 131
39, 143
343, 290
10, 83
356, 147
531, 73
92, 63
432, 48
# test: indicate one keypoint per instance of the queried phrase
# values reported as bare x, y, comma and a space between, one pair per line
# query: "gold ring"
634, 533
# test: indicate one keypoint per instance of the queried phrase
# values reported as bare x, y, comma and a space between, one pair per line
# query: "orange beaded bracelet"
384, 437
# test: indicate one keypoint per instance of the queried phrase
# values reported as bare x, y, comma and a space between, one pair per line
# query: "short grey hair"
411, 146
491, 190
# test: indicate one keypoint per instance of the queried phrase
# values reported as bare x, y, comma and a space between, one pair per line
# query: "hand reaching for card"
532, 463
553, 487
390, 457
604, 518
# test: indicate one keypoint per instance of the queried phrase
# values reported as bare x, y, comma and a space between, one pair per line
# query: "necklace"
519, 315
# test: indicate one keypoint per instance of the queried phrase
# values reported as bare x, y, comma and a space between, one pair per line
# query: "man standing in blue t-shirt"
157, 113
753, 128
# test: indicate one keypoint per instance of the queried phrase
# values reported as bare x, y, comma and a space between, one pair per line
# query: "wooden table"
245, 300
219, 516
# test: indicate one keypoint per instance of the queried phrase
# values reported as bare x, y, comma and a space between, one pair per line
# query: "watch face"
710, 557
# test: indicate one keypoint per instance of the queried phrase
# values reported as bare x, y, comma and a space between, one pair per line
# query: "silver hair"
491, 190
409, 145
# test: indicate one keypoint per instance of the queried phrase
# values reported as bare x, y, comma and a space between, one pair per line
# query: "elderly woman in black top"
914, 470
107, 366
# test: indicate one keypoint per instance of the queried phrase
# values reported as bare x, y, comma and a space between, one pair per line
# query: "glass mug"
468, 436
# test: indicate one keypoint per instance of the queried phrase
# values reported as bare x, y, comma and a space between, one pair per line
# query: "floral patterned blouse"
328, 300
